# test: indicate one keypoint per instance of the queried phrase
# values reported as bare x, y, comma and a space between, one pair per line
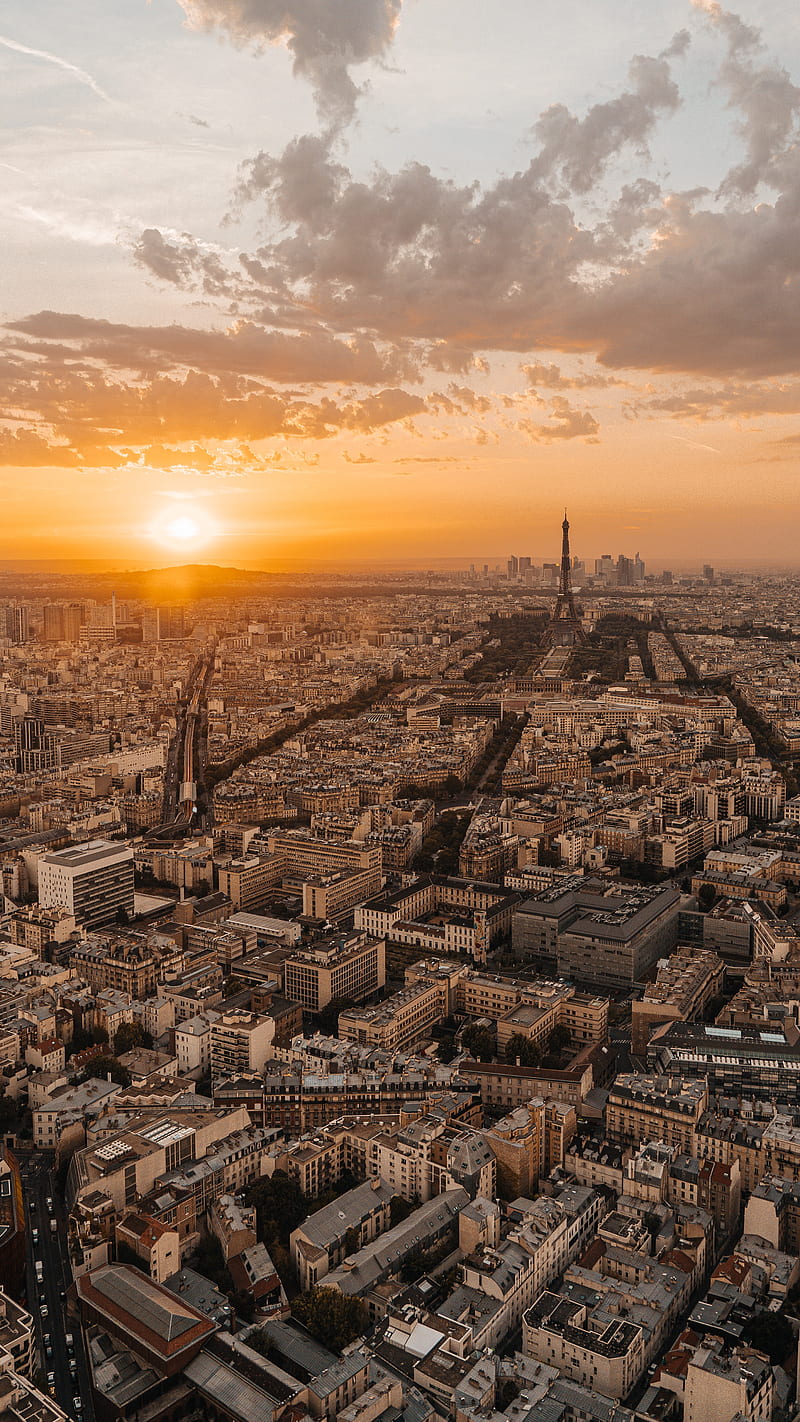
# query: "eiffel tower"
565, 624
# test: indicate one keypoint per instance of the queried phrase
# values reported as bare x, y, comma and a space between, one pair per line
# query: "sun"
191, 528
184, 529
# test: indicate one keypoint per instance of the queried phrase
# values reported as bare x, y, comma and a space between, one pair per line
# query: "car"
32, 1207
47, 1340
42, 1298
48, 1351
35, 1236
50, 1203
77, 1404
73, 1368
43, 1311
51, 1380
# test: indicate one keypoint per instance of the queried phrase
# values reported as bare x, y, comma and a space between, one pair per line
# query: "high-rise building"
708, 572
17, 623
54, 622
172, 624
34, 747
513, 567
151, 625
93, 881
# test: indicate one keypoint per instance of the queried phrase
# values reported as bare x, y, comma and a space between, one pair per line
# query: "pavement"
50, 1248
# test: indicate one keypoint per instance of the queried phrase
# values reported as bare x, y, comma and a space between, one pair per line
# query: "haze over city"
382, 281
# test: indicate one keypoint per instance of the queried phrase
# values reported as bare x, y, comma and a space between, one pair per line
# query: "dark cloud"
326, 38
551, 377
181, 261
733, 400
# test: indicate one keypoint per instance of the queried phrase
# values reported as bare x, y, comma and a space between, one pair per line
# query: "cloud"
579, 150
73, 69
326, 38
551, 377
568, 423
732, 400
764, 94
180, 260
244, 348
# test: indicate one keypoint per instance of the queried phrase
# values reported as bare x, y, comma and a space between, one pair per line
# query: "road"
183, 772
51, 1249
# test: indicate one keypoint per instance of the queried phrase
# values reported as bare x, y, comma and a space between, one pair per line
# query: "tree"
108, 1066
480, 1041
521, 1049
446, 1049
332, 1318
130, 1036
560, 1037
770, 1333
399, 1210
706, 897
280, 1206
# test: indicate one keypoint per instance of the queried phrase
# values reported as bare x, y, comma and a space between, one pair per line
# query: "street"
45, 1300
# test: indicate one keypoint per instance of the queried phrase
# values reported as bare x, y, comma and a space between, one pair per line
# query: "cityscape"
400, 713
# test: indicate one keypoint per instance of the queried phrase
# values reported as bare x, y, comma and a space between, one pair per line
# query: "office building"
92, 881
351, 967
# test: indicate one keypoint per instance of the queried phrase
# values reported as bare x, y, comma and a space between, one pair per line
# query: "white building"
93, 881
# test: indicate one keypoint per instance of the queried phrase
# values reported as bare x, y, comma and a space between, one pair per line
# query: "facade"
593, 934
240, 1042
93, 882
346, 967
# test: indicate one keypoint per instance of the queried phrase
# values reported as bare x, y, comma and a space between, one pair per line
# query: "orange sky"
372, 283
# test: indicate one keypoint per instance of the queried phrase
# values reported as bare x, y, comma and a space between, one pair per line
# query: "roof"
144, 1309
330, 1223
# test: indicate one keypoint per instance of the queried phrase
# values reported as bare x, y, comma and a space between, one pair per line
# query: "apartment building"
684, 984
723, 1382
248, 882
352, 966
528, 1143
326, 1238
122, 962
645, 1108
240, 1042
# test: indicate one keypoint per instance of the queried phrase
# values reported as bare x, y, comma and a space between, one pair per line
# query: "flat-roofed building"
595, 932
93, 881
353, 966
240, 1042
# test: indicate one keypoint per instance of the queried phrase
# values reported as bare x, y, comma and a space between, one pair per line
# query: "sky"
333, 281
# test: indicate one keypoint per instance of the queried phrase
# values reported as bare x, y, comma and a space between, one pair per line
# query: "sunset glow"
393, 284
